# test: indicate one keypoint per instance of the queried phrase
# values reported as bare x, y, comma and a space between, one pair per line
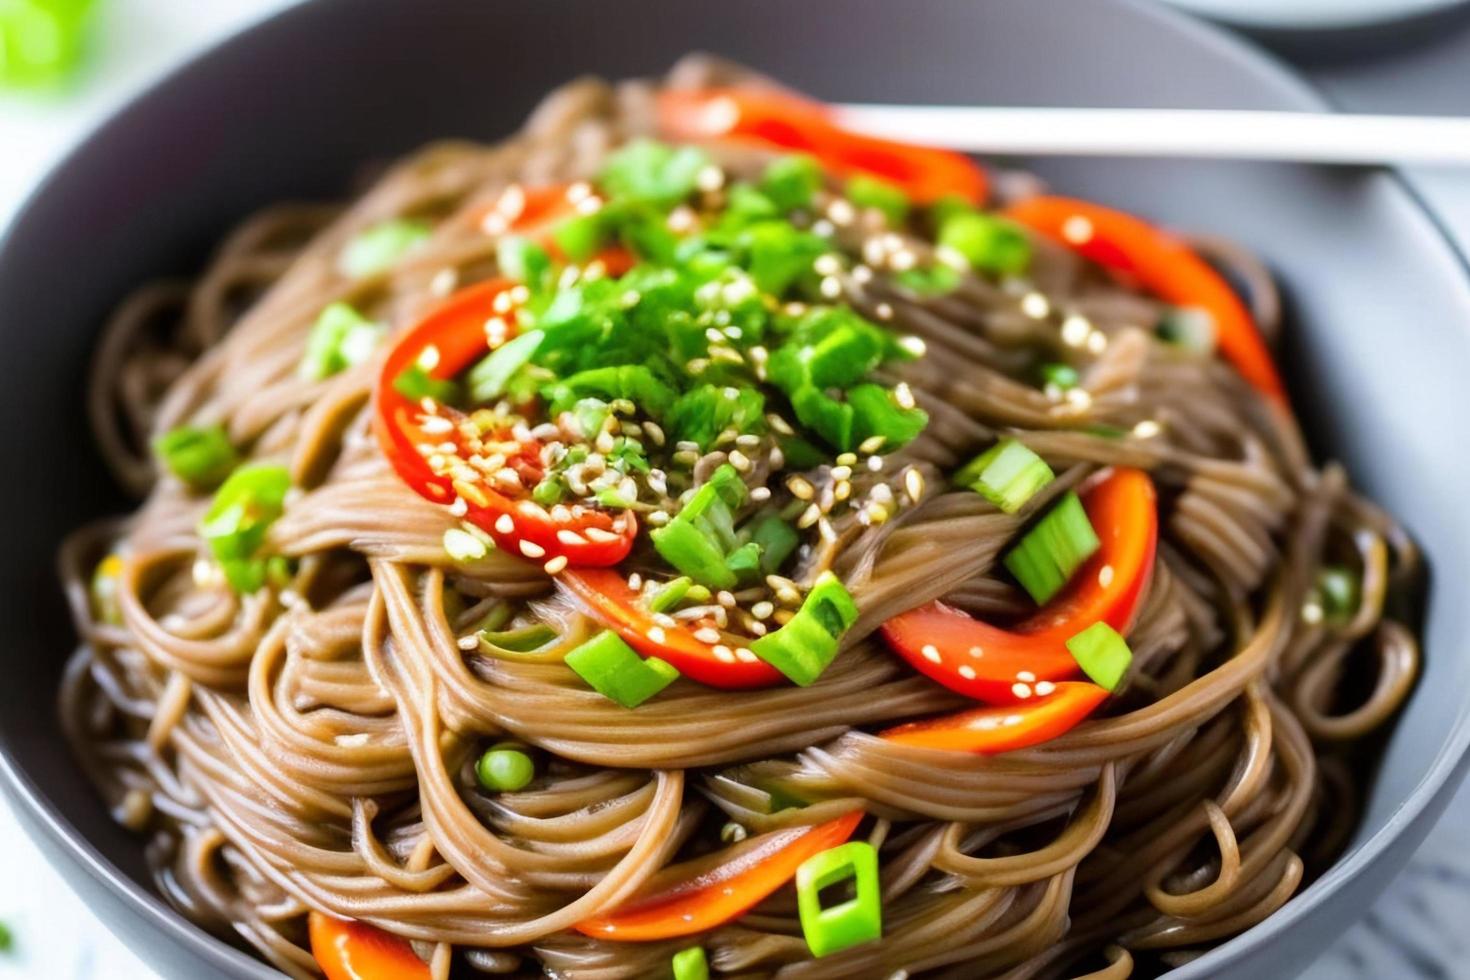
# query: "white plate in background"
1312, 14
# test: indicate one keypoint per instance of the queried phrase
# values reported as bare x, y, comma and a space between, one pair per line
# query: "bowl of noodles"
570, 508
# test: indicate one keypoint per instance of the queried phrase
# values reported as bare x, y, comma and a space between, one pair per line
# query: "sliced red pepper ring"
1001, 666
1163, 265
607, 595
1004, 728
455, 331
791, 123
706, 892
350, 950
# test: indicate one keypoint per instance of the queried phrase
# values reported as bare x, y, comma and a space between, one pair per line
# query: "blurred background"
65, 64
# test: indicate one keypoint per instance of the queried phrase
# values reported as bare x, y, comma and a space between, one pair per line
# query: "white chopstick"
1308, 137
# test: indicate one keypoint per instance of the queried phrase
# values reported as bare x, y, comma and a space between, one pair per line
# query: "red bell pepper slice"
350, 950
606, 594
456, 328
706, 892
1000, 666
790, 123
1004, 728
1164, 266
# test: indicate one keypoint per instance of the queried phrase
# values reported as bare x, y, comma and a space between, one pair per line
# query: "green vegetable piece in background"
42, 42
238, 518
340, 338
791, 182
201, 456
872, 192
376, 248
653, 172
615, 670
690, 964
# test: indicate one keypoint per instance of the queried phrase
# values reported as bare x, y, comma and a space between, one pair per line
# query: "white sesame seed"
1045, 688
1035, 305
1022, 691
555, 565
635, 581
903, 395
1026, 675
760, 494
913, 484
437, 425
831, 287
914, 345
883, 311
463, 546
724, 654
745, 656
1077, 230
930, 652
800, 488
809, 516
1012, 721
657, 634
762, 609
1075, 330
662, 619
505, 524
841, 472
1312, 613
1146, 429
875, 463
459, 507
967, 672
568, 537
1097, 342
599, 535
707, 635
872, 444
1105, 576
739, 460
531, 549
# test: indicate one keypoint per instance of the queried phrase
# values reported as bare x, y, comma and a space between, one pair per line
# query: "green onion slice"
615, 670
690, 964
201, 456
488, 378
792, 181
986, 242
238, 518
847, 924
873, 192
1007, 474
1053, 549
1102, 654
807, 644
378, 247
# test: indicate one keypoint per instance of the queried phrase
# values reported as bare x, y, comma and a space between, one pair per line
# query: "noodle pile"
312, 746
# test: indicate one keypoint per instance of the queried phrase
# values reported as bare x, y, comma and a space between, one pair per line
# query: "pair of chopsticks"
1307, 137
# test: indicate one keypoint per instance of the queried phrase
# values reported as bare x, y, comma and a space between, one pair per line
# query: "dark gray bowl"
1378, 347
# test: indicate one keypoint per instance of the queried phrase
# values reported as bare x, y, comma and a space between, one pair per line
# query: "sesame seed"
463, 546
1022, 691
913, 484
930, 652
555, 565
1026, 675
831, 287
1097, 342
883, 311
459, 507
1077, 230
739, 460
760, 494
1075, 330
531, 549
1045, 688
904, 395
658, 518
662, 619
1080, 399
437, 425
471, 493
745, 656
724, 654
657, 634
800, 488
1146, 429
599, 535
915, 346
809, 516
707, 635
1105, 576
1035, 305
1312, 613
570, 537
762, 609
841, 472
871, 445
967, 672
976, 652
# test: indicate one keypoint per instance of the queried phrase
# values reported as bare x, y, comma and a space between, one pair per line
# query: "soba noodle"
312, 745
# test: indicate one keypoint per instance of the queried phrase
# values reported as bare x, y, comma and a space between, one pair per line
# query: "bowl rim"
38, 815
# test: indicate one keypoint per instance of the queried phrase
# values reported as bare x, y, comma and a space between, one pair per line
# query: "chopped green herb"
873, 192
986, 242
340, 338
690, 964
876, 412
580, 237
1189, 327
807, 644
634, 382
616, 671
701, 537
1102, 654
488, 378
852, 922
792, 181
1053, 549
238, 518
704, 412
378, 247
201, 456
777, 254
524, 260
415, 383
929, 280
647, 170
776, 540
1064, 376
670, 594
1007, 474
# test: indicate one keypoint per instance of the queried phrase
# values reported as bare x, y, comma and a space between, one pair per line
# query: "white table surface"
1416, 930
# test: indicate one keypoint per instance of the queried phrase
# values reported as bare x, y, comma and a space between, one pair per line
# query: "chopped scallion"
852, 922
701, 537
1189, 327
670, 594
523, 639
873, 192
488, 378
986, 242
876, 412
690, 964
653, 172
238, 518
1063, 376
340, 338
415, 383
201, 456
378, 247
807, 644
580, 237
1053, 549
1007, 474
525, 261
792, 181
616, 671
1102, 654
776, 540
